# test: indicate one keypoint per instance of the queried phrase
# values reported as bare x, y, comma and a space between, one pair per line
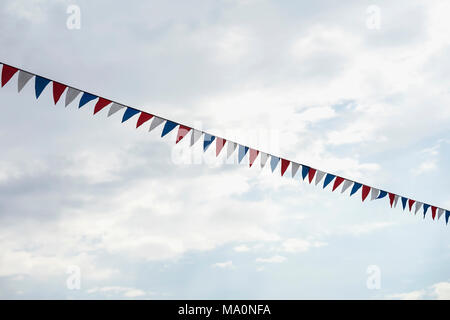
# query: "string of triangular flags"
307, 172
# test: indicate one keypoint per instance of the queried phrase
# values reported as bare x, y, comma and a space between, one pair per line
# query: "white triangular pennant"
396, 201
319, 176
418, 206
71, 95
114, 108
195, 136
374, 193
440, 213
264, 157
347, 184
230, 148
156, 122
295, 167
24, 77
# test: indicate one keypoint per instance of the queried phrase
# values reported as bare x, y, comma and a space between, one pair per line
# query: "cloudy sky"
323, 83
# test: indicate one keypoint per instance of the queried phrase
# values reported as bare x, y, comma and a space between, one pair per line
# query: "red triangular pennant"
101, 103
253, 154
365, 192
391, 198
337, 182
58, 89
411, 202
311, 174
433, 212
220, 143
7, 73
284, 166
182, 131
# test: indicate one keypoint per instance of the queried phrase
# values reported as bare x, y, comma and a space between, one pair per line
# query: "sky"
94, 209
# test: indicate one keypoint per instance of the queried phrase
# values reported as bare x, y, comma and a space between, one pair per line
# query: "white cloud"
117, 290
439, 291
413, 295
223, 265
300, 245
274, 259
241, 248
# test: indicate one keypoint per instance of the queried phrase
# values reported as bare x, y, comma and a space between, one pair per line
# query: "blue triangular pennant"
328, 178
274, 162
355, 188
404, 200
208, 139
382, 194
40, 84
447, 215
169, 126
305, 171
85, 98
425, 209
242, 152
129, 113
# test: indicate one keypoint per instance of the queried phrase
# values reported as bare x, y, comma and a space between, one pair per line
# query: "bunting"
58, 89
195, 136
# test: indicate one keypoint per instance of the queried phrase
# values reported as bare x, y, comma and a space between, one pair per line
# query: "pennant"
433, 212
319, 176
168, 127
220, 143
7, 73
58, 89
347, 184
253, 154
129, 112
114, 108
40, 84
85, 98
447, 215
374, 194
425, 209
329, 177
101, 103
404, 200
305, 171
143, 118
195, 136
230, 148
365, 192
182, 132
71, 95
24, 77
337, 182
242, 152
391, 198
396, 200
355, 188
440, 212
311, 174
295, 166
418, 207
274, 162
264, 157
284, 165
382, 194
411, 202
207, 140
